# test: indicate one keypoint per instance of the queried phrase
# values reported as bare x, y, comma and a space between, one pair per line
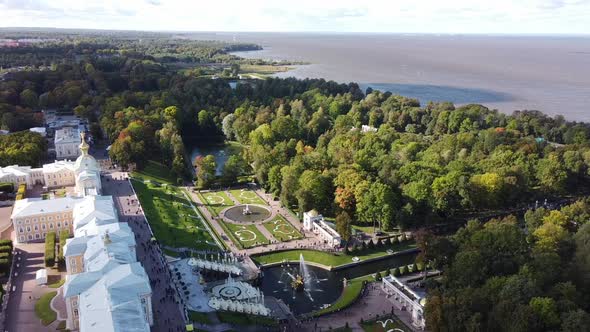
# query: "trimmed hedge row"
5, 256
63, 236
7, 187
22, 190
50, 249
410, 268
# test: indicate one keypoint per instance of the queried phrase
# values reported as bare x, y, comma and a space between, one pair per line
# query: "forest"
363, 157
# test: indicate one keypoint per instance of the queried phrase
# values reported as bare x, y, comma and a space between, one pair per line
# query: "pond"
325, 286
221, 152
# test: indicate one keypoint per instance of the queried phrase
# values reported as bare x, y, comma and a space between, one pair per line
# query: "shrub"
5, 249
22, 190
63, 236
403, 270
410, 268
5, 255
7, 187
4, 264
401, 239
419, 266
6, 243
395, 272
50, 249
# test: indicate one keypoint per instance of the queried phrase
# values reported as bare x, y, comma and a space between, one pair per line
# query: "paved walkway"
20, 313
166, 304
373, 302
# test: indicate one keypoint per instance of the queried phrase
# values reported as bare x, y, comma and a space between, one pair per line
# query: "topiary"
403, 270
395, 272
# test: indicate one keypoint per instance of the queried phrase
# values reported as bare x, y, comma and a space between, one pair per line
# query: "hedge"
5, 249
22, 190
7, 187
63, 236
5, 255
6, 243
50, 249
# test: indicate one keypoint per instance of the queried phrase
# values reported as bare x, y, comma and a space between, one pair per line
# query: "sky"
393, 16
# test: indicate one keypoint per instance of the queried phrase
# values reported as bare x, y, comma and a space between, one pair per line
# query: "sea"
549, 73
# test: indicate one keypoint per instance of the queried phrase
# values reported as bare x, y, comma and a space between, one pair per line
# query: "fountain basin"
256, 213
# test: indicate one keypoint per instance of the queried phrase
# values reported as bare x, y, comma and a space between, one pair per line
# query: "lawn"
281, 229
155, 171
216, 201
246, 196
44, 311
171, 217
326, 258
349, 295
248, 236
57, 284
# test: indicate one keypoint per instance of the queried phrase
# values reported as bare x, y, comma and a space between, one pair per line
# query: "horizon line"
539, 34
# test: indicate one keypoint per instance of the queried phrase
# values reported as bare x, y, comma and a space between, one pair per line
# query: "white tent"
41, 277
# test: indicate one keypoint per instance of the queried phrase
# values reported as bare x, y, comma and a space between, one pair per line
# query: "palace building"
312, 221
106, 288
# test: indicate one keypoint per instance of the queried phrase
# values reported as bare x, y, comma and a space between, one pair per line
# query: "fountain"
246, 211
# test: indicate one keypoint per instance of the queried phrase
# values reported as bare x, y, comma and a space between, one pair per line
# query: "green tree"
343, 225
206, 167
232, 169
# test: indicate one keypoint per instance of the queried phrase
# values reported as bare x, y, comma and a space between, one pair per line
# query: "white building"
312, 221
66, 142
32, 218
39, 130
84, 173
21, 175
406, 299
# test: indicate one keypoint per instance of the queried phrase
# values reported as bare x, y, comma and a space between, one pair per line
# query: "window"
37, 236
19, 222
30, 237
27, 220
21, 230
42, 219
34, 219
50, 218
75, 312
65, 223
43, 226
58, 224
28, 228
21, 238
58, 217
36, 227
50, 225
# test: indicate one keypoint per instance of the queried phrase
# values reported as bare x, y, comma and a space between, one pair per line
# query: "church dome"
85, 161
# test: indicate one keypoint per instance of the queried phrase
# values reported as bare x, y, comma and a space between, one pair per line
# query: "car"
355, 259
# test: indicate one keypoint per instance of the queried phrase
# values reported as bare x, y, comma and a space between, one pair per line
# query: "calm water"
550, 73
327, 286
220, 152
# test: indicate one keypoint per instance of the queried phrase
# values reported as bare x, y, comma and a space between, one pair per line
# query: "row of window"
43, 227
43, 219
30, 237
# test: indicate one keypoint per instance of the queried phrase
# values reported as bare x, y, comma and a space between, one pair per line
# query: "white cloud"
449, 16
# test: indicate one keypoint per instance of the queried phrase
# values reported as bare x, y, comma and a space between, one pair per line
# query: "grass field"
262, 69
155, 171
246, 196
43, 309
248, 235
281, 229
351, 293
172, 218
326, 258
216, 201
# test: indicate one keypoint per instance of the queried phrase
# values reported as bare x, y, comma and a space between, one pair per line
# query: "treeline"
501, 277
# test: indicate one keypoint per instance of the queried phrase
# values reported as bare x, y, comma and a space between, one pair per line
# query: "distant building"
66, 143
33, 218
84, 174
39, 130
367, 129
312, 221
